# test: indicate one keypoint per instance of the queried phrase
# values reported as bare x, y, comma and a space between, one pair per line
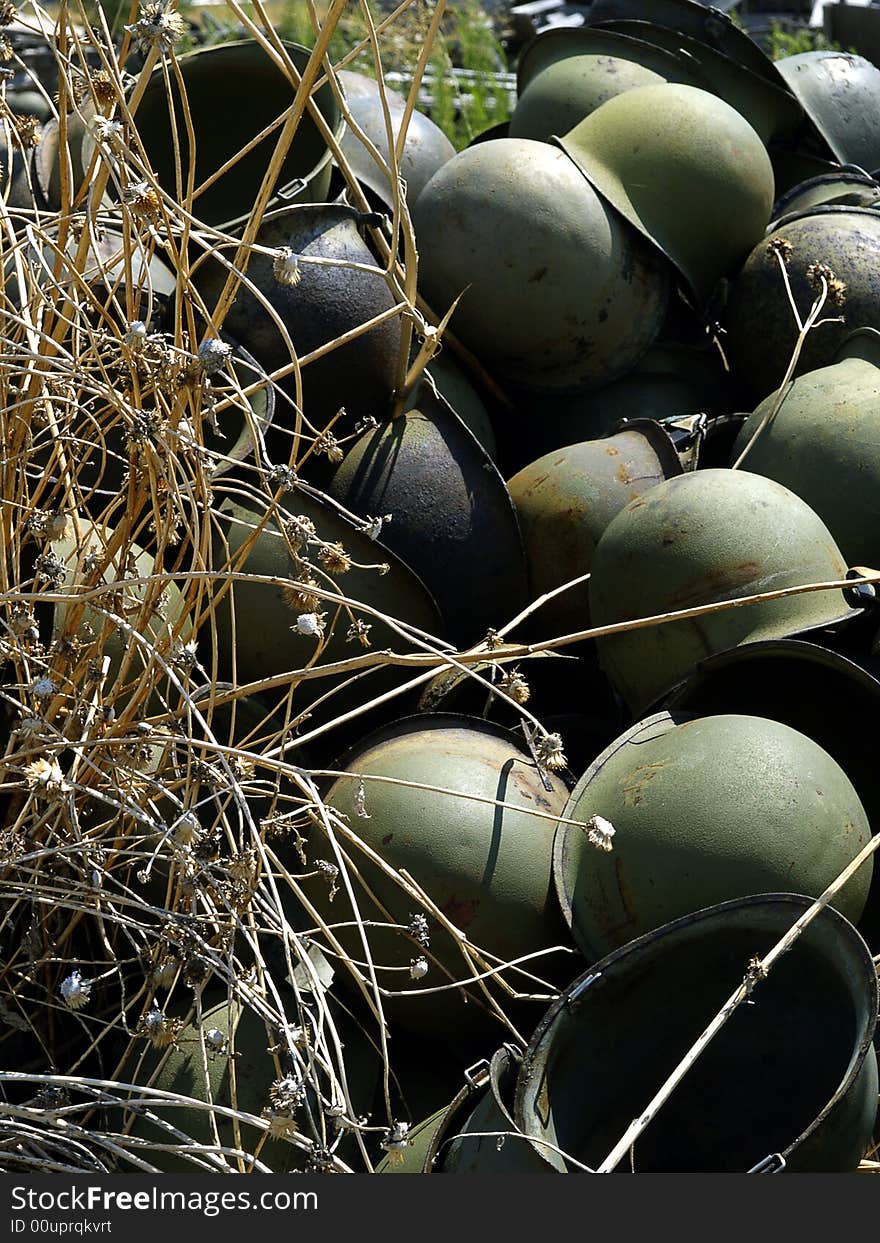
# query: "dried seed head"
285, 267
515, 686
156, 27
109, 132
46, 777
8, 13
103, 86
28, 130
327, 443
158, 1028
418, 929
213, 355
43, 688
334, 559
359, 630
310, 624
187, 830
215, 1039
395, 1142
549, 752
819, 272
282, 477
373, 526
299, 530
781, 247
143, 200
6, 49
75, 991
418, 968
600, 832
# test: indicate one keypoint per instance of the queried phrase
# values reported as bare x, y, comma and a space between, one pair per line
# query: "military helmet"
579, 295
824, 443
841, 188
561, 84
761, 330
705, 809
685, 169
840, 92
710, 536
425, 148
565, 500
432, 786
793, 1076
770, 109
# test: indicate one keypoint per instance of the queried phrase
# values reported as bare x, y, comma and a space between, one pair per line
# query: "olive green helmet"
558, 293
685, 169
840, 93
425, 148
824, 443
486, 867
565, 500
843, 188
770, 109
703, 538
705, 809
562, 80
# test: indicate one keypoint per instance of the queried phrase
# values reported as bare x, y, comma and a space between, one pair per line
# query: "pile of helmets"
631, 442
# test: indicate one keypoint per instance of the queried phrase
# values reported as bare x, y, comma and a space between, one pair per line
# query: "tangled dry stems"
152, 845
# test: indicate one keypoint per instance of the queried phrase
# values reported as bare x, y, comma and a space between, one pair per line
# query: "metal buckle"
477, 1076
772, 1164
292, 189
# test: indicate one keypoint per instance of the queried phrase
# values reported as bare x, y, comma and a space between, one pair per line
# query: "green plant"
790, 42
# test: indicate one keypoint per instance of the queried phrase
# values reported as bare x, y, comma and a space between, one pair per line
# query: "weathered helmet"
770, 109
705, 809
699, 21
841, 242
563, 76
840, 93
686, 170
565, 500
706, 537
558, 293
234, 92
824, 443
425, 149
793, 1076
842, 188
486, 867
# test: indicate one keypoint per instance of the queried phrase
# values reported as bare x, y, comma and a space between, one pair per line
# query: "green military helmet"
563, 79
705, 809
565, 500
685, 169
443, 376
840, 92
558, 293
761, 332
770, 109
790, 1082
270, 629
703, 538
153, 609
824, 444
791, 168
425, 148
708, 24
234, 92
234, 1060
843, 188
486, 867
